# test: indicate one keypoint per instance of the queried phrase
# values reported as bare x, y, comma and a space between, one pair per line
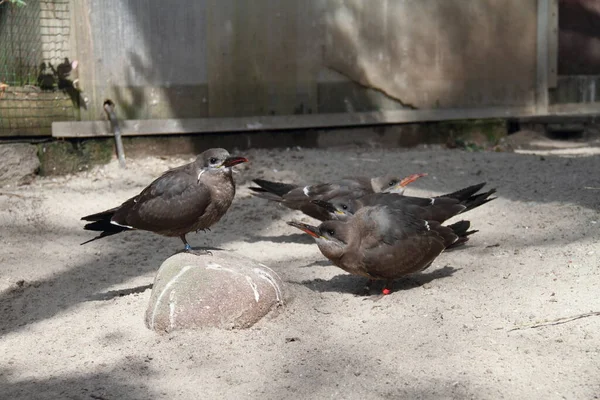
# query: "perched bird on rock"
300, 197
438, 208
184, 199
384, 243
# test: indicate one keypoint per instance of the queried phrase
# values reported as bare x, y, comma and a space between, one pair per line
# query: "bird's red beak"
231, 161
411, 179
311, 230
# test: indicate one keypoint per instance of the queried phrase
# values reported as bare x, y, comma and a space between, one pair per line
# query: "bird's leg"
387, 288
188, 249
366, 290
186, 245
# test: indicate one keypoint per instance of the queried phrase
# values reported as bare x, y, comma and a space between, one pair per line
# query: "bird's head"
393, 184
217, 161
339, 209
331, 236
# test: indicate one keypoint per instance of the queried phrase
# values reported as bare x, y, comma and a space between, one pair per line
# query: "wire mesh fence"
34, 66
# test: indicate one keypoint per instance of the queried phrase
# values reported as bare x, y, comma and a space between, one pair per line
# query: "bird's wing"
393, 200
388, 224
301, 198
173, 201
432, 208
353, 187
396, 242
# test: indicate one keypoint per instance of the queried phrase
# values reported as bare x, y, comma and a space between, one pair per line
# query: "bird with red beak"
297, 197
185, 199
384, 243
438, 208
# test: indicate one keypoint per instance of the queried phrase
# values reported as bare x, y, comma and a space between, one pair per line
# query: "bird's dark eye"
344, 207
331, 232
392, 183
213, 160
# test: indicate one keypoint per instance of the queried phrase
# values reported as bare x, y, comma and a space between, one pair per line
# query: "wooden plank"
575, 109
541, 93
248, 124
214, 125
82, 47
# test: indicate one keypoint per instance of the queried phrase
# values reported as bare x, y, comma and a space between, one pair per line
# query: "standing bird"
301, 198
438, 208
184, 199
384, 243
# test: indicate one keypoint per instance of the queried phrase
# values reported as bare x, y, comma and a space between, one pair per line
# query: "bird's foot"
201, 252
366, 291
203, 230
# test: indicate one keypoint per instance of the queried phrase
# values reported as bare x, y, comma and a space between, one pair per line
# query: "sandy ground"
72, 327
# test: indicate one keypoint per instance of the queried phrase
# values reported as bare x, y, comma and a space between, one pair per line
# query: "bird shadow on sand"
353, 284
301, 238
320, 263
111, 294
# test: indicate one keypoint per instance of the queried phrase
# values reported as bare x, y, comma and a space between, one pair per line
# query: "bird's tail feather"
465, 193
101, 216
101, 223
263, 194
271, 190
460, 229
478, 199
469, 198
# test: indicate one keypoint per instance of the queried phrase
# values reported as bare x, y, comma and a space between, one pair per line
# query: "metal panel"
264, 57
553, 45
543, 11
147, 56
579, 37
437, 54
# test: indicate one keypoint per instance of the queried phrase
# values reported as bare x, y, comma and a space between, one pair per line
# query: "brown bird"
184, 199
384, 243
438, 208
300, 198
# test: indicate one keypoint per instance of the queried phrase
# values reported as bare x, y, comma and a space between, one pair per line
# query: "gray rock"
224, 290
18, 163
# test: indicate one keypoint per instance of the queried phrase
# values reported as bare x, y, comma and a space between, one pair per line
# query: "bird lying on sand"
438, 208
298, 197
385, 243
188, 198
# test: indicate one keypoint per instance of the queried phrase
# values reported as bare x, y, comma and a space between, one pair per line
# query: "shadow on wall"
131, 99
